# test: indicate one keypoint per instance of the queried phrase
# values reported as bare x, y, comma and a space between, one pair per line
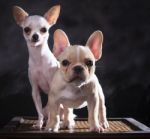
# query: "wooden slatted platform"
22, 127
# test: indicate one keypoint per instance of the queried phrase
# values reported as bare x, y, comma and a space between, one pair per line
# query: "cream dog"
75, 82
42, 63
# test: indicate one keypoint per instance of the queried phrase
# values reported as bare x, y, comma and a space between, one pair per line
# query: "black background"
123, 71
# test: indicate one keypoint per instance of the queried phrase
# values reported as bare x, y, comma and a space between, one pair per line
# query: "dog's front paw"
38, 124
48, 126
71, 124
97, 128
104, 123
68, 124
52, 127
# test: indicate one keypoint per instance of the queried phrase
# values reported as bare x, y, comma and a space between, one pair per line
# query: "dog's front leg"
102, 113
53, 122
68, 121
102, 110
38, 104
93, 112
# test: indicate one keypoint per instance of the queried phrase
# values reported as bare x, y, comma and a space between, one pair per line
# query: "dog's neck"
39, 55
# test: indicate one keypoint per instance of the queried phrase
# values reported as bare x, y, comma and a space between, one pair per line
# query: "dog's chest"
41, 76
72, 97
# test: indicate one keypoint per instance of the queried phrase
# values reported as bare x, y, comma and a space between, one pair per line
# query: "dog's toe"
68, 124
52, 127
105, 124
71, 125
97, 129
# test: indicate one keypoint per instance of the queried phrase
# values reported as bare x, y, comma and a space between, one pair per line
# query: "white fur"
42, 66
72, 96
36, 22
42, 63
75, 83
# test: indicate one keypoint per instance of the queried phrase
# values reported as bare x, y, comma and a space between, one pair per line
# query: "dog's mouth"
77, 78
35, 41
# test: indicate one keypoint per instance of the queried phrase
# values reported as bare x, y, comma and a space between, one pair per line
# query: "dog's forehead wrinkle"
77, 54
83, 53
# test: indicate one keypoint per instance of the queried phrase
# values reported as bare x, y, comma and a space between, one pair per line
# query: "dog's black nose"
35, 37
78, 69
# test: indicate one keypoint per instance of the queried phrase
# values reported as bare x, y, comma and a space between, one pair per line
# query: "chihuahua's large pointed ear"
19, 14
95, 44
61, 41
52, 14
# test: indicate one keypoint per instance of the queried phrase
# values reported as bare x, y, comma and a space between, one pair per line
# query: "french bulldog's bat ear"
95, 44
61, 41
52, 14
19, 14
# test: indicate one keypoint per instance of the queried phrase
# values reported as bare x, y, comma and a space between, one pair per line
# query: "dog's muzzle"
78, 70
78, 74
35, 38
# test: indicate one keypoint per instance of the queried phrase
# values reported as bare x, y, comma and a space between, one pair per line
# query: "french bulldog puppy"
75, 82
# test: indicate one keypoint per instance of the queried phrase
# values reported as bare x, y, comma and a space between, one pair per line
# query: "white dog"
42, 63
75, 82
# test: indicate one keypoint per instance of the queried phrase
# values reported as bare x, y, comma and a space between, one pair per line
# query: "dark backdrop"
123, 71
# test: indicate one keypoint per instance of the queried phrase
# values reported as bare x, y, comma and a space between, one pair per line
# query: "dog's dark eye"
65, 62
43, 30
27, 30
89, 63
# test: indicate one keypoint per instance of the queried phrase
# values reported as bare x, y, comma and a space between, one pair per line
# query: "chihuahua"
75, 84
42, 63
